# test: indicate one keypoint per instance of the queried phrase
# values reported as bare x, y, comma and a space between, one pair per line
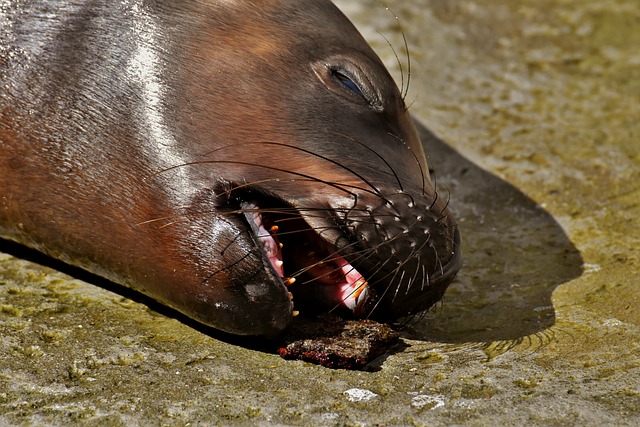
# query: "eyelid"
345, 78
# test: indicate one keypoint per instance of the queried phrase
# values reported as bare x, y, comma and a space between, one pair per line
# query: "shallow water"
539, 105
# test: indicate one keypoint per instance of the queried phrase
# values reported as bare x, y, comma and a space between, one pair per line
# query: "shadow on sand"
515, 254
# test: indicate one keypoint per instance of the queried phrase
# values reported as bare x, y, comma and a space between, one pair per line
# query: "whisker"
435, 251
385, 292
237, 187
229, 265
329, 258
399, 285
162, 218
425, 275
325, 158
378, 302
395, 53
352, 139
228, 245
177, 221
273, 168
374, 189
407, 259
446, 205
415, 275
415, 157
404, 91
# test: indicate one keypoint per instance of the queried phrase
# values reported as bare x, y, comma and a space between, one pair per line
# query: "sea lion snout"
410, 251
386, 255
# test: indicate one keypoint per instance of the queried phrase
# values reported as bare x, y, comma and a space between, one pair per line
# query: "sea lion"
209, 153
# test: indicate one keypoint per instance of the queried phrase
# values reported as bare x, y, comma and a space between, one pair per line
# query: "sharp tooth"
289, 281
279, 263
361, 287
290, 295
295, 313
280, 245
274, 229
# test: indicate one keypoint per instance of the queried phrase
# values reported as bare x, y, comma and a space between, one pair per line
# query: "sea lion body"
158, 143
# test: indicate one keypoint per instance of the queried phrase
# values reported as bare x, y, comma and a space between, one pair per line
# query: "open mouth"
318, 277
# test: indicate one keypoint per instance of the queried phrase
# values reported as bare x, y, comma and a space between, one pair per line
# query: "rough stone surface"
540, 102
340, 344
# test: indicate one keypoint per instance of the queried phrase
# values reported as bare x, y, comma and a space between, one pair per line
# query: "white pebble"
359, 395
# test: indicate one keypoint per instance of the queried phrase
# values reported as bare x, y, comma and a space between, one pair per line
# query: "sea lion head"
315, 164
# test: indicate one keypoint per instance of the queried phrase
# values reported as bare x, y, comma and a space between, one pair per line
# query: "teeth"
361, 286
295, 313
289, 281
279, 263
274, 229
290, 296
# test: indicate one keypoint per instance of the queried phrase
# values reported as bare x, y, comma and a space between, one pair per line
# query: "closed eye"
345, 78
346, 81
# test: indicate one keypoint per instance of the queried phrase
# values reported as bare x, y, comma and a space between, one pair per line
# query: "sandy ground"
539, 103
